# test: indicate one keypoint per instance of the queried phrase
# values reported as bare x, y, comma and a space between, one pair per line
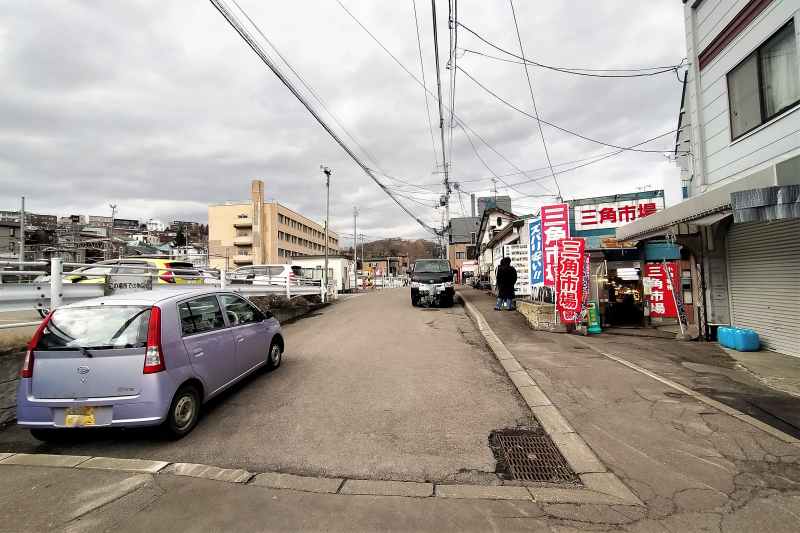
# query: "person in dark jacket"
506, 278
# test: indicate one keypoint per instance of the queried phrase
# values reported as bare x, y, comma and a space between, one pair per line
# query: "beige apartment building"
258, 232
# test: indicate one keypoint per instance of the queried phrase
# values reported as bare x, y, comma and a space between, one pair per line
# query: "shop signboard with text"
661, 299
555, 226
520, 260
570, 285
535, 242
611, 215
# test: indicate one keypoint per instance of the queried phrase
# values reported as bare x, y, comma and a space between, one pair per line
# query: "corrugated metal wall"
764, 267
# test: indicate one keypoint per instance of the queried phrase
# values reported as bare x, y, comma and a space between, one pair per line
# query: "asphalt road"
370, 388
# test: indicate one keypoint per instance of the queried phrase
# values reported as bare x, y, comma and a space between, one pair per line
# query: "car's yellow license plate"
79, 417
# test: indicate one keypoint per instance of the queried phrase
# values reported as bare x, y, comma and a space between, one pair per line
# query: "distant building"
258, 232
385, 266
463, 237
31, 219
155, 225
490, 202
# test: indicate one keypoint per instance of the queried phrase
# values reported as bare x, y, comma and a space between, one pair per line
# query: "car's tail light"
27, 365
153, 356
167, 277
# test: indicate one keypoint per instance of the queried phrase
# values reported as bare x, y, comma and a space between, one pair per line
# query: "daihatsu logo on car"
83, 370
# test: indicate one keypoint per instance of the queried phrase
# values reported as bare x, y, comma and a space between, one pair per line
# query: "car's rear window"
432, 265
107, 326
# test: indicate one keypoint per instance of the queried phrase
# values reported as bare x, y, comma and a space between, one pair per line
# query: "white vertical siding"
722, 158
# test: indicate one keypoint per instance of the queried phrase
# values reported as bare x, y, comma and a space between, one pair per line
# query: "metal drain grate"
529, 455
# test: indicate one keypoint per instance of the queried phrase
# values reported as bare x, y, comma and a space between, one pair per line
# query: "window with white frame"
765, 84
460, 255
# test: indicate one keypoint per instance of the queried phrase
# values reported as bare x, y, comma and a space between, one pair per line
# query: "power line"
533, 99
422, 71
556, 126
236, 25
412, 76
642, 72
307, 86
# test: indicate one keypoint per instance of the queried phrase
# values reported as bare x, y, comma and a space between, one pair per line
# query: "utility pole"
111, 231
22, 233
363, 238
441, 122
325, 170
355, 248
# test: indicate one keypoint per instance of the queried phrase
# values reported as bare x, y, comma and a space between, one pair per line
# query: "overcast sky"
161, 108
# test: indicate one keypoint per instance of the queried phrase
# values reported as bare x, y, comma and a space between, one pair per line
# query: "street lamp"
325, 170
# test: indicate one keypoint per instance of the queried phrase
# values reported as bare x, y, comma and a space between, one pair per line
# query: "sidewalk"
695, 466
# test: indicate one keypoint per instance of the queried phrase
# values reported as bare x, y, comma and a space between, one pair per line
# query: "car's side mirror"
268, 315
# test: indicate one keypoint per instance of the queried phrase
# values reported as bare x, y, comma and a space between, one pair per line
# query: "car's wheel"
275, 356
414, 302
447, 301
183, 412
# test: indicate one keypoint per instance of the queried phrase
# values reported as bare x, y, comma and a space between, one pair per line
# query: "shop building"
617, 268
739, 151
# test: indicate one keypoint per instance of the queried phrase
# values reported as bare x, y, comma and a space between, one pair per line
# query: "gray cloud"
161, 108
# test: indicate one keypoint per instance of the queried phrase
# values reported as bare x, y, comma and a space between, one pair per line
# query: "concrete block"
579, 456
43, 459
521, 379
387, 488
124, 465
483, 492
511, 365
275, 480
578, 496
534, 396
209, 472
610, 484
551, 419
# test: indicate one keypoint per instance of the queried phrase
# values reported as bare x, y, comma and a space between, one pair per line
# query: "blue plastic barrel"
739, 339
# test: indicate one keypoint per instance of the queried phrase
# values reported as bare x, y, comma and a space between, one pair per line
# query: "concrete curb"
578, 454
338, 486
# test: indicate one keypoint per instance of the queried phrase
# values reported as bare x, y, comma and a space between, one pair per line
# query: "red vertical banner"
569, 279
555, 226
662, 303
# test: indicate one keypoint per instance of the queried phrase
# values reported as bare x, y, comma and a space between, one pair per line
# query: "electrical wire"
422, 71
556, 126
533, 99
411, 74
307, 86
244, 34
641, 72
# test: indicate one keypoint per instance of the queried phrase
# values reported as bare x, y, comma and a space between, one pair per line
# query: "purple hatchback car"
141, 359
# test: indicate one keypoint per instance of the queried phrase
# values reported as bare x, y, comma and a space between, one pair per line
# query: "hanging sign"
662, 303
555, 226
569, 279
535, 243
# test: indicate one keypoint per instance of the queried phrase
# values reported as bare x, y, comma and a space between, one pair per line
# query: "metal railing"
58, 285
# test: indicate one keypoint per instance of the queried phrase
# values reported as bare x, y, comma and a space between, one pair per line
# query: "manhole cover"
529, 455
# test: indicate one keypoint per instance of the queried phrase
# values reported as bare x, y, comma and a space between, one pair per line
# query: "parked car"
168, 271
268, 274
141, 359
432, 282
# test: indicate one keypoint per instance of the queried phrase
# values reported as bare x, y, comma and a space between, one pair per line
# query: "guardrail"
57, 287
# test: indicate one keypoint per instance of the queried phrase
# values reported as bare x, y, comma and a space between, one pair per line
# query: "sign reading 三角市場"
662, 302
535, 243
555, 226
615, 214
570, 279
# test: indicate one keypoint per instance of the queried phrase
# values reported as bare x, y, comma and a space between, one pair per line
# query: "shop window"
765, 84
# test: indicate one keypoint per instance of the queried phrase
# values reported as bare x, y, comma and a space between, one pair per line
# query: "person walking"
506, 279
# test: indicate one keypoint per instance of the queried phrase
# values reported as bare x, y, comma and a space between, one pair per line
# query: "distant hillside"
415, 248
